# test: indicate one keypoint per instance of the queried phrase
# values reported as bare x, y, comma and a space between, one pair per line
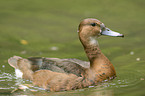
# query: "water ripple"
126, 78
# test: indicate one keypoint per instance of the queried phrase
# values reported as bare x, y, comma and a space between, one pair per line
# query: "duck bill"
109, 32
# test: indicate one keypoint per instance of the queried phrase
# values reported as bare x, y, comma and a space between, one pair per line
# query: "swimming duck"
56, 74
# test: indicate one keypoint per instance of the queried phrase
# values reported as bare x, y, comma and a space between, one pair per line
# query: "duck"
55, 74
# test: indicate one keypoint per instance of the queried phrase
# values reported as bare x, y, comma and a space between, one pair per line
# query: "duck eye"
93, 24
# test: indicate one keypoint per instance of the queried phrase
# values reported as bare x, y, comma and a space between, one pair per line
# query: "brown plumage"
56, 74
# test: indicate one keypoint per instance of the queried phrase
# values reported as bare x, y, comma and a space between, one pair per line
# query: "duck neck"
92, 50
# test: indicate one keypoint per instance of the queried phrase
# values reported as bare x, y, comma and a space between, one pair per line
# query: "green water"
50, 29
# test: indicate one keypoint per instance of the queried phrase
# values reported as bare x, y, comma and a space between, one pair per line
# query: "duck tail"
22, 67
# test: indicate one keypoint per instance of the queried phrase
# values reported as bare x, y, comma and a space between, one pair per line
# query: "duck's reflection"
98, 91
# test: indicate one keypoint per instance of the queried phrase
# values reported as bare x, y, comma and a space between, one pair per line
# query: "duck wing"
73, 66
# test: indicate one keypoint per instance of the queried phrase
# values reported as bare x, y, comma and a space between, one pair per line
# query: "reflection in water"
126, 78
81, 92
129, 78
8, 83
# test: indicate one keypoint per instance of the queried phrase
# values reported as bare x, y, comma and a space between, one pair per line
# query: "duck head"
89, 29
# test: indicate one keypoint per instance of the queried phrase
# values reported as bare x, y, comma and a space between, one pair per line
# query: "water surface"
49, 29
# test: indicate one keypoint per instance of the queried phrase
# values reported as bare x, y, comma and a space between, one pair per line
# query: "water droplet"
3, 66
23, 52
54, 48
141, 78
137, 59
131, 53
91, 86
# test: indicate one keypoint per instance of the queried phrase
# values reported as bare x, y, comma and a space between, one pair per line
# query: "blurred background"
48, 28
